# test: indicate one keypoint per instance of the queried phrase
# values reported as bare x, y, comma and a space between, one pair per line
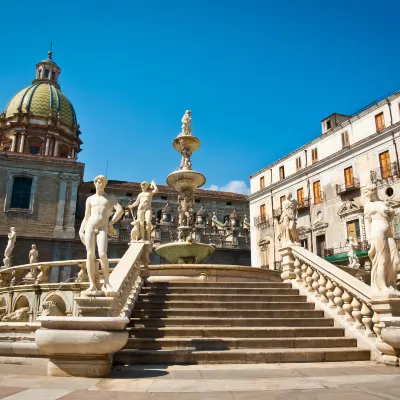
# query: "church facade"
42, 192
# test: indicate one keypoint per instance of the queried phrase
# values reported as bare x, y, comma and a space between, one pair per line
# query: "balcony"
261, 221
348, 186
390, 171
303, 204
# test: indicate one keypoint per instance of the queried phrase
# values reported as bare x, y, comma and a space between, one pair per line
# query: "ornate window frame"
20, 173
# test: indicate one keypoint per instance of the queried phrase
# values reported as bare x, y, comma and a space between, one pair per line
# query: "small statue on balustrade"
353, 259
383, 252
144, 211
288, 222
12, 237
94, 229
33, 255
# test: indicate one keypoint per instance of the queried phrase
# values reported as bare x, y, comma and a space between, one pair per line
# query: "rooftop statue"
12, 237
383, 252
144, 212
288, 222
94, 229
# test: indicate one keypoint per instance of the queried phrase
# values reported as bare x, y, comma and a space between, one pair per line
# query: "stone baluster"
356, 313
315, 284
309, 279
322, 288
287, 263
44, 275
304, 274
378, 326
346, 297
338, 299
329, 293
367, 320
297, 269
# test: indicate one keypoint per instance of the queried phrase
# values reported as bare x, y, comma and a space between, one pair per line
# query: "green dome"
42, 99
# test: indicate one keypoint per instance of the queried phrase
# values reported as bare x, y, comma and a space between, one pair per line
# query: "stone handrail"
374, 318
39, 272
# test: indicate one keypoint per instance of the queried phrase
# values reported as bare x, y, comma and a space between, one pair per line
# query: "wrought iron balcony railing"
348, 186
261, 221
303, 204
391, 170
277, 212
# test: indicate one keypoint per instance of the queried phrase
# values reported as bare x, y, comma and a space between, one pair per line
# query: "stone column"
46, 152
14, 142
22, 142
70, 232
59, 231
56, 148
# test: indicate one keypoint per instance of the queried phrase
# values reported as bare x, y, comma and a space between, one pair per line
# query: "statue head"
12, 229
288, 195
100, 182
145, 186
371, 192
188, 112
34, 247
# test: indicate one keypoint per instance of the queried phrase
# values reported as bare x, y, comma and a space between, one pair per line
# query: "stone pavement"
320, 381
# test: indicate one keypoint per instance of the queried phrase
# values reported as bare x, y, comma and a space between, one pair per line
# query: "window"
395, 226
34, 149
328, 125
345, 139
298, 163
46, 73
263, 214
129, 194
348, 177
353, 230
228, 203
21, 193
300, 196
197, 200
262, 183
380, 121
281, 172
317, 192
304, 243
321, 245
281, 200
384, 162
314, 155
164, 197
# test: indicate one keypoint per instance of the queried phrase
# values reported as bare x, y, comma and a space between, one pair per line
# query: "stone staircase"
232, 322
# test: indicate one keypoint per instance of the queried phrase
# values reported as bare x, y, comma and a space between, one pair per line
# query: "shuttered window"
380, 121
348, 177
262, 183
345, 139
298, 163
317, 192
384, 161
314, 155
281, 172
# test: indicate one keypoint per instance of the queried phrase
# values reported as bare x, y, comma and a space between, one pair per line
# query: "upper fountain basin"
188, 141
186, 180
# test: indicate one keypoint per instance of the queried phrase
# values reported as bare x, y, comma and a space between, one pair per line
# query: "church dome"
42, 99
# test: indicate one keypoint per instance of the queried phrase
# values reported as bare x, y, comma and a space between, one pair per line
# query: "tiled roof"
163, 189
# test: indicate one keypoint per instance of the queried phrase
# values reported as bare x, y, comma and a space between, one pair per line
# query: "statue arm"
118, 213
85, 221
136, 203
367, 221
154, 186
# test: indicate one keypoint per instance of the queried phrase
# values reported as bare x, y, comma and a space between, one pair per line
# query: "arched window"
21, 192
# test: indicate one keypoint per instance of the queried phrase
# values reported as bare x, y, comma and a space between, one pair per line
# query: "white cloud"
232, 186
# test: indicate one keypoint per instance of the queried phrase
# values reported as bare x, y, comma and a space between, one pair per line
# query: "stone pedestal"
287, 264
80, 346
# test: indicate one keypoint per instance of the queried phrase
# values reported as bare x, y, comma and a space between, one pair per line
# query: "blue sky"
258, 75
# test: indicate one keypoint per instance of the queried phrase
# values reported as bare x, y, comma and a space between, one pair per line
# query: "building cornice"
348, 122
395, 128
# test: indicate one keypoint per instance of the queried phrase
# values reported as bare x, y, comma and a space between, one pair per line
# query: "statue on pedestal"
144, 212
186, 154
288, 222
353, 259
33, 255
186, 121
383, 251
94, 229
12, 237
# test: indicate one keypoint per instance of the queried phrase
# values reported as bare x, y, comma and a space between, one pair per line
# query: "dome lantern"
47, 70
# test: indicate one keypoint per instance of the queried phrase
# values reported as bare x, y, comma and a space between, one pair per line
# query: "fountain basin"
186, 180
189, 141
184, 252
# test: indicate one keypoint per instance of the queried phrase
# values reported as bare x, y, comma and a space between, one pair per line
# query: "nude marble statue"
383, 252
288, 222
33, 255
12, 237
94, 229
144, 212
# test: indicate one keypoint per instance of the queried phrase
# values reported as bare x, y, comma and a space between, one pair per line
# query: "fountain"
185, 181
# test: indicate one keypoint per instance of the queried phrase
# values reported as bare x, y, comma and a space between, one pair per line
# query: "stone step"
159, 322
235, 332
207, 290
257, 284
224, 313
226, 305
158, 297
237, 343
240, 356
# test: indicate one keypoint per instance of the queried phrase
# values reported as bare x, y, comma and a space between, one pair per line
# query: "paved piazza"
346, 380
